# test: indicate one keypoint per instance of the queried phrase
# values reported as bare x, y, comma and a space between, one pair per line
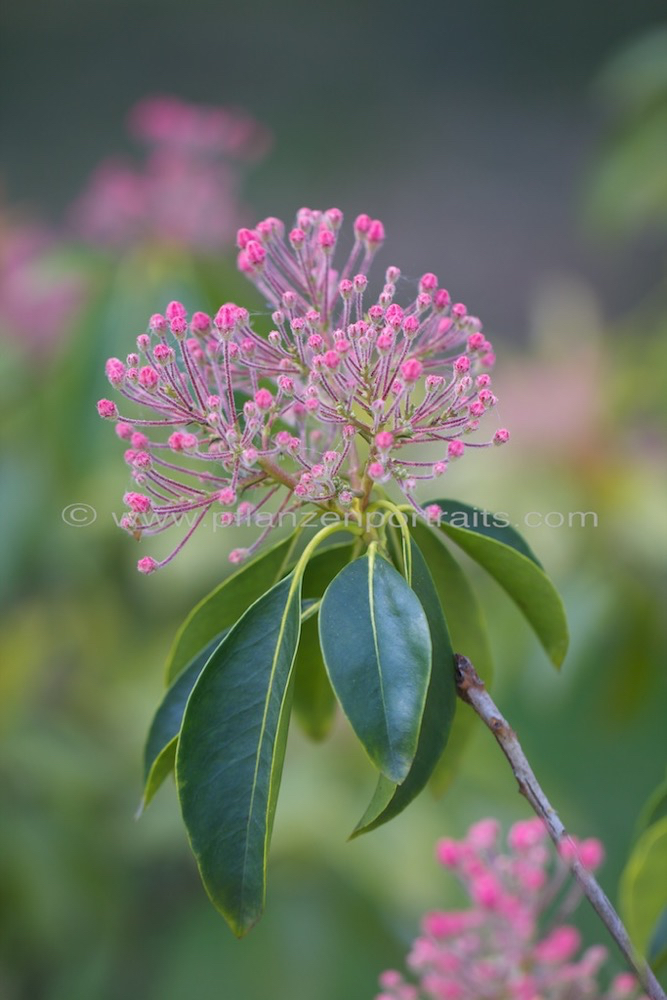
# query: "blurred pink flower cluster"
39, 293
187, 189
513, 942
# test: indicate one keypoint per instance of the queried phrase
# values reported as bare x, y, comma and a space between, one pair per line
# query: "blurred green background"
519, 152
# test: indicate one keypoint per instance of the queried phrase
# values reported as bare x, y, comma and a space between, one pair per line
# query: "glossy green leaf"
160, 749
231, 750
507, 557
226, 603
485, 523
643, 889
314, 700
468, 635
377, 649
390, 799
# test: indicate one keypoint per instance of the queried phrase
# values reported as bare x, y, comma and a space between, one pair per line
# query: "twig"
471, 690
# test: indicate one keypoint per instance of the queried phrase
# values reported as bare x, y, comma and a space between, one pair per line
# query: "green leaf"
654, 808
231, 750
657, 948
314, 700
507, 557
391, 799
468, 635
226, 603
377, 650
160, 750
643, 888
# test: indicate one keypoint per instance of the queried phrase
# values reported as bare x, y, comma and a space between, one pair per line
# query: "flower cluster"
40, 292
187, 190
500, 948
329, 403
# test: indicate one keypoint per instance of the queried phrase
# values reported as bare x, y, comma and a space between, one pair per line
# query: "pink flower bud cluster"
400, 375
322, 408
513, 941
186, 191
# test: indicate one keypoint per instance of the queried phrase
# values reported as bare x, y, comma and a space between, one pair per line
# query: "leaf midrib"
290, 596
371, 609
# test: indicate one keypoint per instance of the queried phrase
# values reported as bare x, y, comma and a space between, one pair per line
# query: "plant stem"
471, 689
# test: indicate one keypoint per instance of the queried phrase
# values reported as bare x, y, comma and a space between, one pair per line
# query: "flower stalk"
471, 689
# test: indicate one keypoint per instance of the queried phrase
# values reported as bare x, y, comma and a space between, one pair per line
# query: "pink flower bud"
175, 310
394, 316
448, 852
237, 556
243, 237
326, 239
384, 440
462, 365
107, 409
428, 282
455, 449
200, 322
256, 253
376, 470
441, 299
297, 238
459, 310
163, 354
137, 502
375, 233
157, 322
148, 378
591, 853
526, 834
433, 512
559, 946
115, 371
142, 460
624, 985
124, 431
411, 369
361, 225
264, 399
332, 359
501, 436
147, 565
486, 891
411, 327
484, 834
335, 217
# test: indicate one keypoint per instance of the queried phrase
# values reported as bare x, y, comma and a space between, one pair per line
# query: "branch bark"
471, 689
